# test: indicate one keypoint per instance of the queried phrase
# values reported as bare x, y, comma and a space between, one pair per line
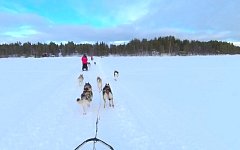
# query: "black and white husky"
107, 95
99, 83
84, 102
115, 75
87, 90
86, 97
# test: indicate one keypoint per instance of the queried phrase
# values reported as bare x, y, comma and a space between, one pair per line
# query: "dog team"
87, 94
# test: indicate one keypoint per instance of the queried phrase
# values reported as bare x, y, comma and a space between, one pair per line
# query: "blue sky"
118, 20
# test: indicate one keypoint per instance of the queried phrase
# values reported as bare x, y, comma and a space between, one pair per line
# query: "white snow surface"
161, 103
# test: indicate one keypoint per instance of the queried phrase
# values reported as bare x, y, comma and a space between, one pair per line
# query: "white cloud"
124, 20
21, 32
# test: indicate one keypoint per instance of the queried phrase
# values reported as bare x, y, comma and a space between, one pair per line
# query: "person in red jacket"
84, 62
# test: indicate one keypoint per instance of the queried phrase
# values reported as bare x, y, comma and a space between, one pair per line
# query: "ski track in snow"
118, 118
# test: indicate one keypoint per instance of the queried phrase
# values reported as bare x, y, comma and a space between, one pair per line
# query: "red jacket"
84, 60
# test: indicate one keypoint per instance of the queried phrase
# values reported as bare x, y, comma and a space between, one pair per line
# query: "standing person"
84, 62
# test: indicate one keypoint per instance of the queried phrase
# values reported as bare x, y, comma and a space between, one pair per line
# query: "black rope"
96, 127
94, 140
94, 148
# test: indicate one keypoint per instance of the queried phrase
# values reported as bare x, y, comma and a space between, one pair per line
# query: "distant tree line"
158, 46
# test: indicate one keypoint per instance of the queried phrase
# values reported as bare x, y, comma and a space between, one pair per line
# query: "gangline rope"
95, 139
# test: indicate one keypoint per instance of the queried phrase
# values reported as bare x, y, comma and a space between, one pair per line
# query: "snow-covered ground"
161, 103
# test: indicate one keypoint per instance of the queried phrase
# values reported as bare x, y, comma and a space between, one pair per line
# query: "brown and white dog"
86, 97
80, 79
87, 91
115, 75
84, 103
107, 95
99, 83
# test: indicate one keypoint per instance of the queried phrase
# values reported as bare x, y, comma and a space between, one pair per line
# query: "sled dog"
107, 95
84, 102
86, 97
80, 79
115, 74
99, 83
87, 91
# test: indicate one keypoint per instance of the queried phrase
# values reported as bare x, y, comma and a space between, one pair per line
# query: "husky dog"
87, 91
84, 103
86, 97
99, 83
115, 74
80, 79
107, 95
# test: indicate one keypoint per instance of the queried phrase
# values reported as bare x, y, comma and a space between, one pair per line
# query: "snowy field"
161, 103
